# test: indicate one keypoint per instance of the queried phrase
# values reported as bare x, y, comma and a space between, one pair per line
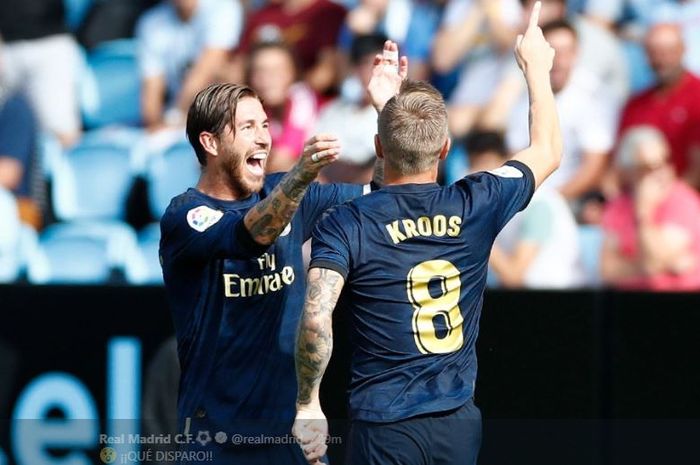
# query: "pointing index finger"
535, 15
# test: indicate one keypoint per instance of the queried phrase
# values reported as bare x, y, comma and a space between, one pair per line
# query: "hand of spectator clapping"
387, 75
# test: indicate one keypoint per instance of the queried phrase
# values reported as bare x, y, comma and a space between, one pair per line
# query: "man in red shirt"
673, 104
309, 27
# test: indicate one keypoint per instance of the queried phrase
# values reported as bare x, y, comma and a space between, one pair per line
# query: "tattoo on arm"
315, 336
270, 216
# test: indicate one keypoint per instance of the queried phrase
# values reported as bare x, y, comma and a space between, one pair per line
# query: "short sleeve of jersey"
321, 197
330, 244
507, 190
199, 233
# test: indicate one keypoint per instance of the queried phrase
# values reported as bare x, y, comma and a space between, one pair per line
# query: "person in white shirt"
352, 118
476, 35
183, 45
539, 247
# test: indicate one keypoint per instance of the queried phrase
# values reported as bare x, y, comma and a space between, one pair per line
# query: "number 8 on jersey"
428, 309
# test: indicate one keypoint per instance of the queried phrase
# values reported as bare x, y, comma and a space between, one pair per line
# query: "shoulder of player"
187, 204
347, 213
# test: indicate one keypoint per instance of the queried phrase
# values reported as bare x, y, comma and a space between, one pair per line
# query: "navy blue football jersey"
415, 257
235, 305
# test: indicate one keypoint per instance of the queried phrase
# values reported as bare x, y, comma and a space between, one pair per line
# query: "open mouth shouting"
255, 163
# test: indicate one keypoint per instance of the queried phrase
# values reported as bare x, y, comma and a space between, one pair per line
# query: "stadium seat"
10, 235
92, 180
86, 252
76, 10
149, 241
111, 86
590, 242
170, 173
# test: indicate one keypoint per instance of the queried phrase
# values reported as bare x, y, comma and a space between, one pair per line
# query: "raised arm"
535, 57
313, 351
267, 219
387, 74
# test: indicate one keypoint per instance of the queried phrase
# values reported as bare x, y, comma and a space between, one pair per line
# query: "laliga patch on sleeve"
202, 218
507, 171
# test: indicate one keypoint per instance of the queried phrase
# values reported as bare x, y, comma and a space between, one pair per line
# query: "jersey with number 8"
415, 257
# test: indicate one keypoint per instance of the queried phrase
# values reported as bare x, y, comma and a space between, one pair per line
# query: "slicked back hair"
413, 128
213, 108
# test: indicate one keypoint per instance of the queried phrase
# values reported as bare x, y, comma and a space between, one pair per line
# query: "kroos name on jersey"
438, 225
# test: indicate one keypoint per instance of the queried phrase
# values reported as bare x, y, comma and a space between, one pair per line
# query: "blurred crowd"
94, 97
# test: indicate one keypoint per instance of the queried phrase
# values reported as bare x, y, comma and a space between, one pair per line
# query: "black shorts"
444, 438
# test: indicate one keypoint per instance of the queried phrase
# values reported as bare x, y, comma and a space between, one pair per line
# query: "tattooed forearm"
315, 337
269, 217
295, 183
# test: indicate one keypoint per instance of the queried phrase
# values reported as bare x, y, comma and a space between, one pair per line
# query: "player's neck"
217, 187
392, 178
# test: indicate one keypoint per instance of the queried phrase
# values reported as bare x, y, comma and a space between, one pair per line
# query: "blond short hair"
413, 128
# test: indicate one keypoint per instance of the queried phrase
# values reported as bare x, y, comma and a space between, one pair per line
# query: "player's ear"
209, 142
445, 148
378, 146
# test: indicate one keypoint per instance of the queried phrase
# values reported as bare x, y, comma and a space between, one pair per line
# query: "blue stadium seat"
149, 241
92, 180
591, 243
86, 252
10, 236
110, 89
170, 173
76, 10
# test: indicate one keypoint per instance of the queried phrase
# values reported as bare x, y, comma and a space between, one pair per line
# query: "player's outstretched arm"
313, 351
535, 57
268, 218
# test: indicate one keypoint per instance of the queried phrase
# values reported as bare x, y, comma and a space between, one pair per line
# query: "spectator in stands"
600, 51
107, 21
538, 248
42, 59
488, 89
398, 20
477, 35
309, 27
652, 231
18, 151
586, 116
352, 118
290, 105
183, 44
673, 104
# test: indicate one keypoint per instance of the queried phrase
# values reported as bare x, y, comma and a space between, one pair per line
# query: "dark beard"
236, 180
